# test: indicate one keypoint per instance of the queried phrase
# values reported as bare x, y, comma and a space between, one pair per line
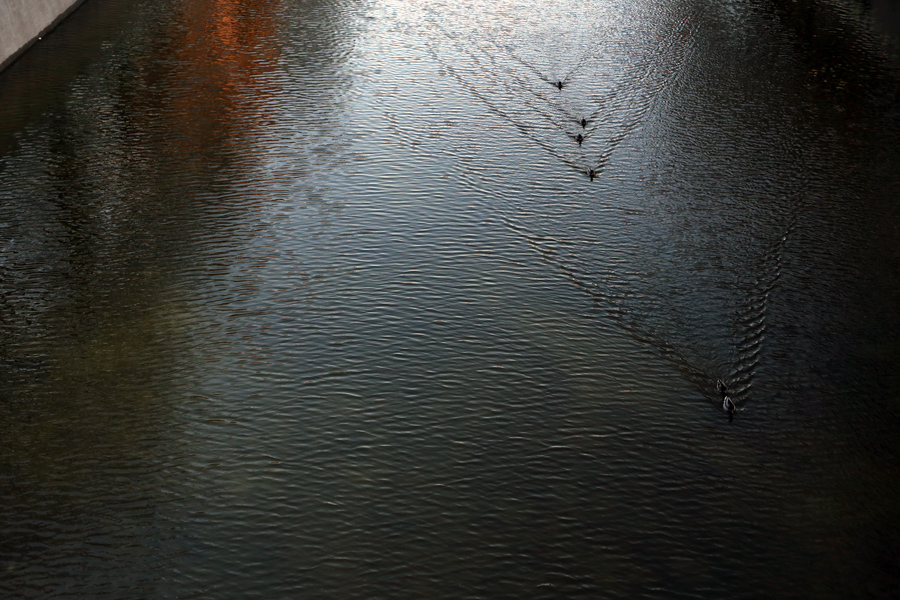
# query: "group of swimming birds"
727, 403
579, 138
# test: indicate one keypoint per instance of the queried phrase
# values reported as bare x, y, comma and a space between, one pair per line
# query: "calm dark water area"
319, 299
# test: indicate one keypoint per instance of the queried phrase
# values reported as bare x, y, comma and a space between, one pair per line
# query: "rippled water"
320, 299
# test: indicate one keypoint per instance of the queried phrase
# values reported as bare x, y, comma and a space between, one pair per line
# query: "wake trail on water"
618, 300
548, 110
581, 115
529, 98
752, 314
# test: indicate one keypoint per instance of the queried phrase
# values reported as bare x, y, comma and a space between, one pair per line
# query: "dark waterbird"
559, 84
579, 138
583, 122
728, 405
720, 385
591, 174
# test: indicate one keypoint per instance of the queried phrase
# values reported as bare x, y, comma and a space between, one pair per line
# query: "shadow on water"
41, 78
803, 167
129, 153
99, 217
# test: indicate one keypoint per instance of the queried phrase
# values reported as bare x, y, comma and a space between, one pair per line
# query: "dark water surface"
318, 299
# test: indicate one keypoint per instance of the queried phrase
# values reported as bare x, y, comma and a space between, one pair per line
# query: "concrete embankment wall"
22, 22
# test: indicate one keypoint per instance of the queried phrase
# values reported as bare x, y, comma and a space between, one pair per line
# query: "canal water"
342, 299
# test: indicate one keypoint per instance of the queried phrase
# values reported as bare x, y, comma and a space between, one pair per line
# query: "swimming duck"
728, 405
559, 84
720, 385
591, 174
579, 138
583, 122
